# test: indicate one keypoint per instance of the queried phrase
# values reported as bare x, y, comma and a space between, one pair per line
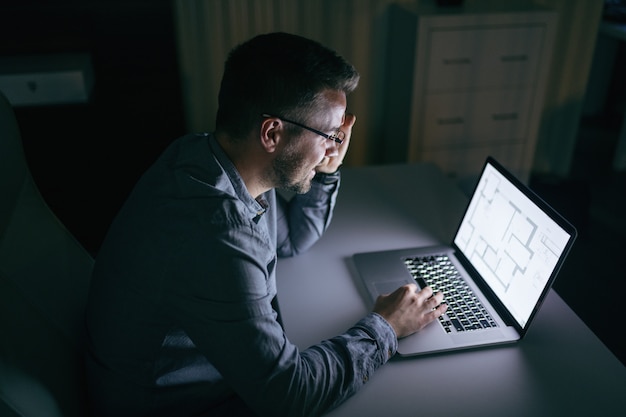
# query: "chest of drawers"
477, 87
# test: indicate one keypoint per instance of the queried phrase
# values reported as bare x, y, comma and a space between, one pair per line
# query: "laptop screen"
514, 240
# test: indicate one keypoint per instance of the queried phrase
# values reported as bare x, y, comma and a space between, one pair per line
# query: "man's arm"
302, 220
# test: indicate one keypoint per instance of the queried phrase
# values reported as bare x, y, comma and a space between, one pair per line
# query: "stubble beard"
289, 173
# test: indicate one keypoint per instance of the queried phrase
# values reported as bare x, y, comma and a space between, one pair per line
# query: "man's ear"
272, 129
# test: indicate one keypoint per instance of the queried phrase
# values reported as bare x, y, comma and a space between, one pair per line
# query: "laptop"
504, 257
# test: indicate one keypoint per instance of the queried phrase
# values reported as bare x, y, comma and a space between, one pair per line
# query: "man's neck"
249, 164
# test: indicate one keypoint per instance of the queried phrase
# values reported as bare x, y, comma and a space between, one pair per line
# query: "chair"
44, 279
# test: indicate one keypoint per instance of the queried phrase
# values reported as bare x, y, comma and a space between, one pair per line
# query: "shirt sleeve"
233, 324
303, 218
236, 329
359, 352
276, 379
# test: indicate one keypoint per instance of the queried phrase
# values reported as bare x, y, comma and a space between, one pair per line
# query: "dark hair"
281, 74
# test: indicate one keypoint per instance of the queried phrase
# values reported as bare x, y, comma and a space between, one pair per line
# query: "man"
181, 319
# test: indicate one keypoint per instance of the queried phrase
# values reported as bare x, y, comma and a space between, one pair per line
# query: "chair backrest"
44, 280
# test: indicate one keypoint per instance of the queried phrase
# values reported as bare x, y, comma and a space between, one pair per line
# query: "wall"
86, 157
357, 29
207, 30
571, 66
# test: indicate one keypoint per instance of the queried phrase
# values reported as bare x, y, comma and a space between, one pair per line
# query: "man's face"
294, 166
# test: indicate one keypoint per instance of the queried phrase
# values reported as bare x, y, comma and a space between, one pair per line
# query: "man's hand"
408, 311
331, 164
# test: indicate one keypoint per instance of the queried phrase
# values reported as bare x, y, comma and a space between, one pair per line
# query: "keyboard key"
465, 312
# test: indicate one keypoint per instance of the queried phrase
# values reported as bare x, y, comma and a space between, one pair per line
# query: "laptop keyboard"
465, 312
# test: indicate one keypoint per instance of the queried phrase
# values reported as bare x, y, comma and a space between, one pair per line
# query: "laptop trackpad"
386, 287
484, 336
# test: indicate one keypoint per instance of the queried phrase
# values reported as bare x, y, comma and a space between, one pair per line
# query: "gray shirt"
180, 318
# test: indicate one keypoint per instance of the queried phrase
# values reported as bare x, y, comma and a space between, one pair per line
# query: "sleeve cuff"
380, 330
327, 179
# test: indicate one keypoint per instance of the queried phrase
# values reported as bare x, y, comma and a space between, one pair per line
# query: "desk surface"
560, 369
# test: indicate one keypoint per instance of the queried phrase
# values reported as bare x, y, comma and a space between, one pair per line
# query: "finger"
438, 296
411, 287
330, 164
439, 310
346, 127
435, 301
426, 292
349, 121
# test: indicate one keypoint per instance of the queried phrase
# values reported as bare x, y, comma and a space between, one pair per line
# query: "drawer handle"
450, 121
504, 116
457, 61
514, 58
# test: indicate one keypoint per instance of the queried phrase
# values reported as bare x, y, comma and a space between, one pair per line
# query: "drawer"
494, 56
481, 117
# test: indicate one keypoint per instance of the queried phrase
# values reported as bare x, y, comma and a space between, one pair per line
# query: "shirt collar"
258, 206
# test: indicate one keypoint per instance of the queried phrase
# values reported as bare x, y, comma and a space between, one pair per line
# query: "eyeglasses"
337, 136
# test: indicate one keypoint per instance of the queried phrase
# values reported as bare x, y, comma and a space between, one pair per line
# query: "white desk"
560, 369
